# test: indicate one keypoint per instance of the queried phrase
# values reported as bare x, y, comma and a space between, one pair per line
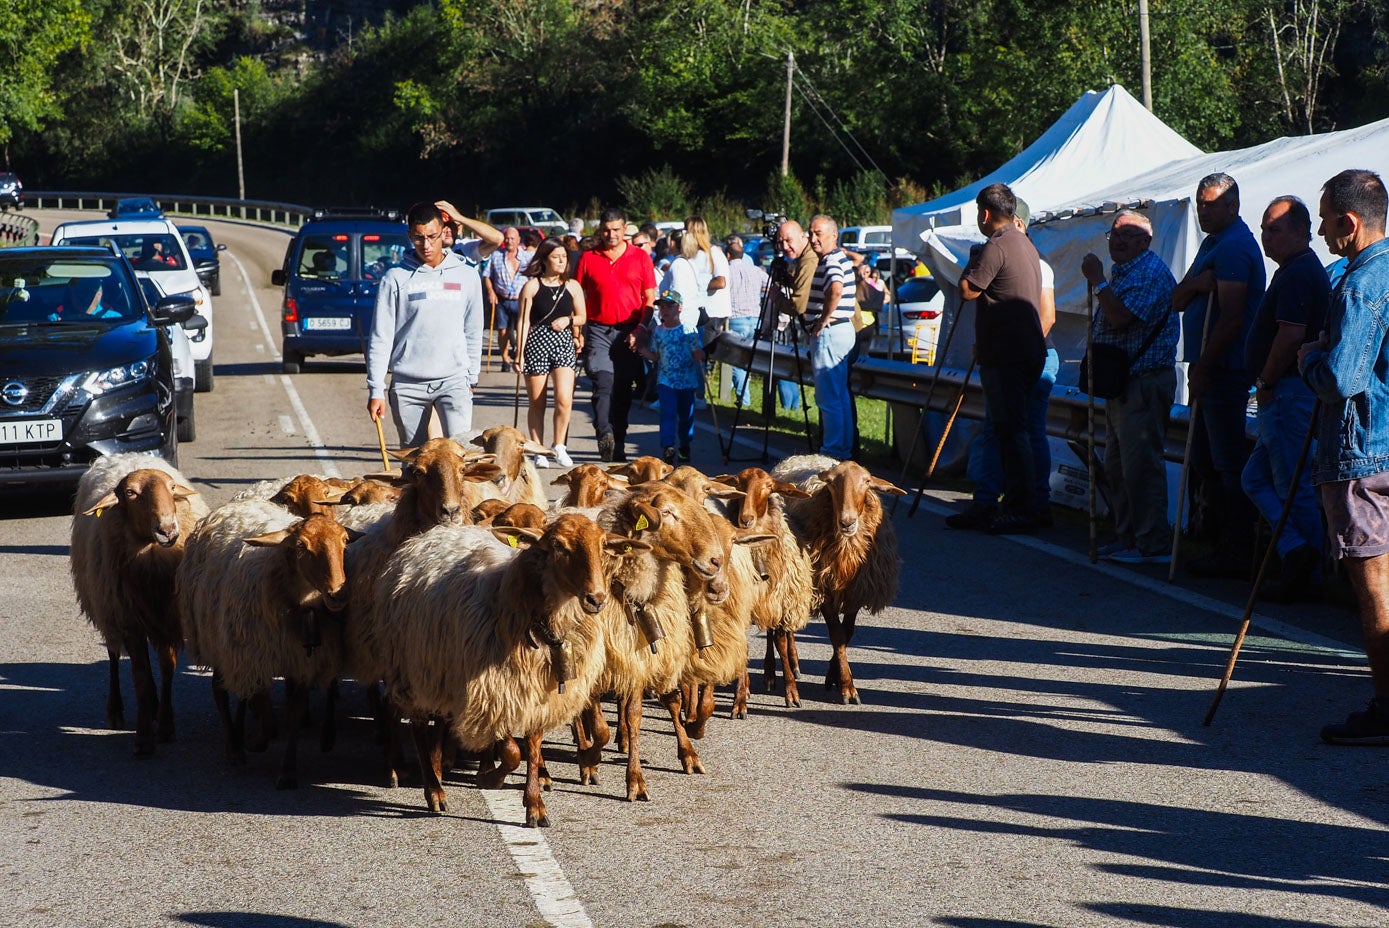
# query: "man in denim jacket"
1348, 369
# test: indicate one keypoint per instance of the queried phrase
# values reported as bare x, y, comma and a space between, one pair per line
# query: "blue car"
135, 208
330, 274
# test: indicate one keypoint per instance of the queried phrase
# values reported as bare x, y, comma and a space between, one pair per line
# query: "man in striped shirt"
829, 318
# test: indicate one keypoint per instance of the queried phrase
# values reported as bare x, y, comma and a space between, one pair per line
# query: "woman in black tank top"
551, 336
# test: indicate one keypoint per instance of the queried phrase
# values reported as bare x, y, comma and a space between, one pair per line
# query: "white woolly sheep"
132, 517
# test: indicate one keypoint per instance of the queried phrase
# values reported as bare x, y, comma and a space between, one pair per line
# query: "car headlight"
99, 382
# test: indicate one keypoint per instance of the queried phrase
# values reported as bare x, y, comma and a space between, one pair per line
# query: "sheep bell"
650, 626
704, 638
308, 619
562, 660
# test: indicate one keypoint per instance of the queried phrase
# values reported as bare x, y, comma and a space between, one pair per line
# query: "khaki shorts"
1357, 516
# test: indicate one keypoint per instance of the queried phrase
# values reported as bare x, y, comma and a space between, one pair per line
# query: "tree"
33, 35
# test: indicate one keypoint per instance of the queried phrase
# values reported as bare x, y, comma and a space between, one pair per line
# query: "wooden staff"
926, 407
1186, 456
381, 438
944, 434
1263, 566
1090, 419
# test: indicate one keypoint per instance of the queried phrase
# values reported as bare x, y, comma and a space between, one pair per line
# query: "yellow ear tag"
511, 540
98, 513
626, 549
642, 524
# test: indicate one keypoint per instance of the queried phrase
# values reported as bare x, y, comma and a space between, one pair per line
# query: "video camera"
770, 222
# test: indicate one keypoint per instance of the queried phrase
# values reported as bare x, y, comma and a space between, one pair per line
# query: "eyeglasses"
425, 239
1124, 234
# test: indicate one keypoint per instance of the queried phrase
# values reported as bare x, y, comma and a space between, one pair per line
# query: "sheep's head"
434, 475
757, 487
307, 495
679, 530
579, 558
365, 491
509, 448
696, 485
644, 469
850, 485
148, 499
487, 510
520, 515
588, 484
314, 549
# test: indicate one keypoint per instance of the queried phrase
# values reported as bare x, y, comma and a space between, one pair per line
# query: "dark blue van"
331, 271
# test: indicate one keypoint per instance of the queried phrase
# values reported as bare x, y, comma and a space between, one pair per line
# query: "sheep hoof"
537, 821
436, 803
770, 683
393, 780
695, 731
588, 776
850, 697
738, 712
793, 702
693, 764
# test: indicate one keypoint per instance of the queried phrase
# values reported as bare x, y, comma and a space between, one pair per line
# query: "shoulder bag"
1104, 371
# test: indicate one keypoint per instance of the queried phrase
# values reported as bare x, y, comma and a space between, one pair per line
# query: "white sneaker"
562, 457
542, 460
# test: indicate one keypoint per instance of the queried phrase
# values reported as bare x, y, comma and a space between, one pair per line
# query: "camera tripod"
766, 322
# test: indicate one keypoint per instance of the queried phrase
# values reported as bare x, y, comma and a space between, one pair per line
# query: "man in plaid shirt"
1136, 298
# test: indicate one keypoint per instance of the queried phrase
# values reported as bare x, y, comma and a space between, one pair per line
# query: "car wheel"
187, 428
293, 362
217, 285
202, 370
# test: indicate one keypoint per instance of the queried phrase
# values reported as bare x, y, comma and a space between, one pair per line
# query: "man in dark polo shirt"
1005, 277
1292, 313
619, 285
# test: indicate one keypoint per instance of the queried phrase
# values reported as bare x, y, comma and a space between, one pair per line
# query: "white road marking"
260, 348
287, 425
330, 468
550, 889
251, 323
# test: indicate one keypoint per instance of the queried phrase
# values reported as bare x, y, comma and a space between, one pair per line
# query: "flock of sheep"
459, 596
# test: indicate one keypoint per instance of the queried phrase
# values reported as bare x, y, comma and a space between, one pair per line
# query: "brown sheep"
366, 492
787, 598
699, 487
852, 546
588, 486
132, 517
441, 484
496, 639
487, 510
519, 481
644, 469
262, 592
307, 495
520, 515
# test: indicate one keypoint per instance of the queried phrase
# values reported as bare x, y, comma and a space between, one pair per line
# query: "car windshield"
146, 251
64, 291
877, 237
545, 215
380, 253
918, 290
196, 239
323, 257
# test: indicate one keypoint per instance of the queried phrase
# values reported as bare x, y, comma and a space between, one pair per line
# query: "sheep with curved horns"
519, 481
851, 544
498, 640
262, 592
787, 598
132, 517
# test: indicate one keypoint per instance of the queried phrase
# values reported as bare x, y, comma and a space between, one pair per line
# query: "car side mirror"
277, 277
195, 324
221, 246
175, 310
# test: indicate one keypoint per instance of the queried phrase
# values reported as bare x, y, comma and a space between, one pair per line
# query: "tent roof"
1102, 139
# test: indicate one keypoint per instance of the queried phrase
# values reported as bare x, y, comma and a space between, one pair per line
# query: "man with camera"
1134, 305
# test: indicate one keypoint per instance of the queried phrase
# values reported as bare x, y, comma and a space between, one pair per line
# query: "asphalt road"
1029, 751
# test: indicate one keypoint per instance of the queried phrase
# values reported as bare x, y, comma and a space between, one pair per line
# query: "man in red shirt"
619, 285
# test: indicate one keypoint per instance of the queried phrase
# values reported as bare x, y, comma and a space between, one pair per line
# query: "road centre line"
550, 889
330, 468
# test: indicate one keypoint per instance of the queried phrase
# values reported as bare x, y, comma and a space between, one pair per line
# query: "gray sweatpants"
411, 401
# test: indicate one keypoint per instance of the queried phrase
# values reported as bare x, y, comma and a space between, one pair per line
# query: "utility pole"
1145, 54
240, 169
786, 125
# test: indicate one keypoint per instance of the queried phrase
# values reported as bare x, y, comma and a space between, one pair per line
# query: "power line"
816, 105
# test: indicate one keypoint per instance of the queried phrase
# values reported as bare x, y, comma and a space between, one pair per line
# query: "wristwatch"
1101, 285
1262, 384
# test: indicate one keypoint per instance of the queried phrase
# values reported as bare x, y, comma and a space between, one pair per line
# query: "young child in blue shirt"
680, 355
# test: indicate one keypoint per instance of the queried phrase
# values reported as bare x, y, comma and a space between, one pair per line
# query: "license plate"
32, 432
329, 323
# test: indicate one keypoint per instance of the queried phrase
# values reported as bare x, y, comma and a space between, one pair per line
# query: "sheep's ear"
183, 492
648, 517
563, 479
479, 440
621, 470
754, 538
269, 540
789, 490
620, 478
353, 534
728, 479
482, 471
531, 447
724, 491
517, 537
390, 480
622, 546
404, 454
327, 502
882, 486
341, 482
109, 501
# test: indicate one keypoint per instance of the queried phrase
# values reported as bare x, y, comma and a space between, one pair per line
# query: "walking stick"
1090, 419
1186, 458
381, 438
1263, 566
521, 336
944, 434
491, 332
926, 409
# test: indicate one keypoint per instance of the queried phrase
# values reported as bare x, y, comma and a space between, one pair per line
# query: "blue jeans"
677, 416
829, 361
1007, 391
985, 465
788, 390
1267, 475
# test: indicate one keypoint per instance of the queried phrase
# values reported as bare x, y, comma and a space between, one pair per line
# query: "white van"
156, 251
549, 222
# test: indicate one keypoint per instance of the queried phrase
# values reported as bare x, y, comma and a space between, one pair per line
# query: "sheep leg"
296, 700
145, 695
328, 734
380, 710
429, 745
783, 646
631, 707
769, 660
264, 710
534, 801
702, 709
168, 661
115, 706
508, 754
795, 655
839, 664
740, 697
623, 733
591, 733
233, 729
685, 749
689, 693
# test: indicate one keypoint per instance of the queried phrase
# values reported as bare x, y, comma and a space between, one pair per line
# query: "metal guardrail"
904, 385
17, 230
263, 211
